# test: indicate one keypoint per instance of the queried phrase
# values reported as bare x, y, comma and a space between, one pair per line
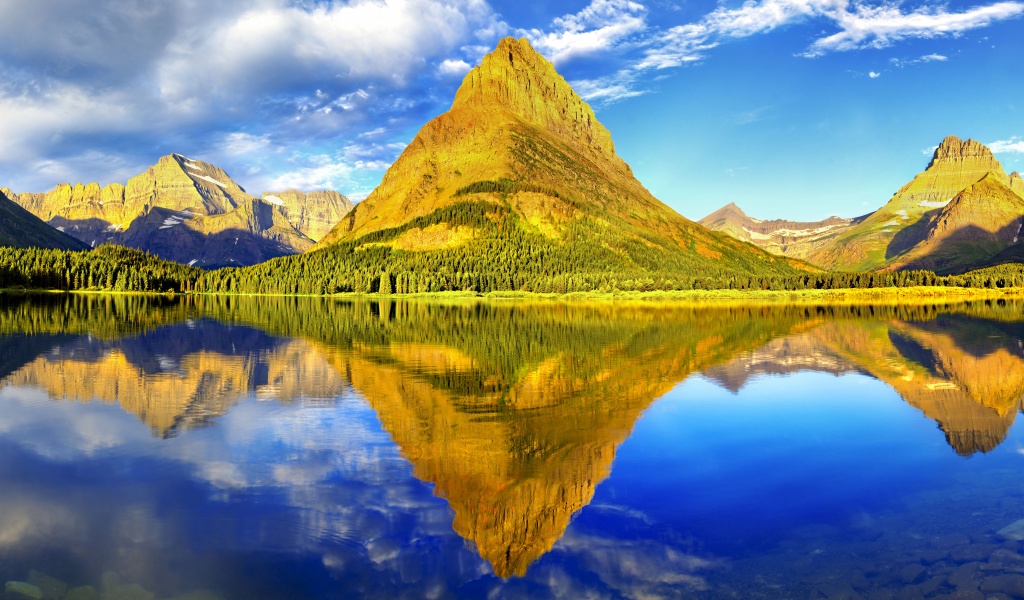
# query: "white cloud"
927, 58
605, 90
874, 74
1014, 145
453, 68
274, 46
869, 26
600, 26
244, 143
187, 77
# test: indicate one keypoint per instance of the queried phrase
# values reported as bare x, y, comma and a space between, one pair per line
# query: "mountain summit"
520, 155
189, 211
894, 235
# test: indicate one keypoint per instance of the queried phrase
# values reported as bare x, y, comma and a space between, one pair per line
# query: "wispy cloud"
867, 26
620, 26
927, 58
1014, 145
600, 26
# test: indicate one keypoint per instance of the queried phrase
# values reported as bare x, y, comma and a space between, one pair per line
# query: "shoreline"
902, 295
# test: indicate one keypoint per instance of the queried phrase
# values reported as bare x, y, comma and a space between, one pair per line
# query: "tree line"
508, 258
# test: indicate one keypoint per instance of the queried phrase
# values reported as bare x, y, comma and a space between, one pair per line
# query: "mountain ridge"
796, 239
188, 211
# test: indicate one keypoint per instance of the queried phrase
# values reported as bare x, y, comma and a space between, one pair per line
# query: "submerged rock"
85, 592
1013, 531
53, 589
1011, 584
19, 590
113, 589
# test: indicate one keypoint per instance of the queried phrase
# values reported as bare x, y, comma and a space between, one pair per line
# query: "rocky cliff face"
1017, 183
314, 214
778, 236
188, 211
21, 229
518, 136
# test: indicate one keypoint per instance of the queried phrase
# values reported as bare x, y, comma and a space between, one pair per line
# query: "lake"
251, 448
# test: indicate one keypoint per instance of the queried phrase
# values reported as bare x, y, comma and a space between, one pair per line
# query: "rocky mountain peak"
1017, 183
516, 78
953, 149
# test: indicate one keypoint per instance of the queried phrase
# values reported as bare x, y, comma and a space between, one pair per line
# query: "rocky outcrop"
191, 212
313, 214
778, 236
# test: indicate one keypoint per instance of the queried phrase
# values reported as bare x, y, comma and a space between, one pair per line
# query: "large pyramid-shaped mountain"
525, 154
188, 211
892, 235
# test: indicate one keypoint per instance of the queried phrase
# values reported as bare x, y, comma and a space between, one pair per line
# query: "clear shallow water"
314, 449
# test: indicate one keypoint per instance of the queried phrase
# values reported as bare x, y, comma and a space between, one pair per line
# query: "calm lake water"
305, 448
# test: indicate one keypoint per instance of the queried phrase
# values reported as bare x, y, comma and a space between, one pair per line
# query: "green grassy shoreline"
895, 295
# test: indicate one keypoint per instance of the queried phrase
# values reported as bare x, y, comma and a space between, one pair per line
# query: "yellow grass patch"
432, 237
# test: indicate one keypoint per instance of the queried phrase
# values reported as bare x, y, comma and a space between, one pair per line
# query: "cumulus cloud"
874, 74
219, 79
454, 67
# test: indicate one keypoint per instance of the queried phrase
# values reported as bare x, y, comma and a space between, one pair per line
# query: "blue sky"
791, 108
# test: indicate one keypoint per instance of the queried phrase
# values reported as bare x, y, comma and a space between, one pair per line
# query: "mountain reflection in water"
513, 412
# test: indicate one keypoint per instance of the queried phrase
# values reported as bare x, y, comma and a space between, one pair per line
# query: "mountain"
314, 213
21, 229
187, 211
521, 181
981, 222
918, 213
1017, 183
789, 238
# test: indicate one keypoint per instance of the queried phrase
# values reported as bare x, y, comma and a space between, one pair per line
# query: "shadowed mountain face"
190, 212
965, 373
21, 229
513, 413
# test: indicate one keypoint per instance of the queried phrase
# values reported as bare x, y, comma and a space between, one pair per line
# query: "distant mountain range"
190, 212
963, 212
798, 239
